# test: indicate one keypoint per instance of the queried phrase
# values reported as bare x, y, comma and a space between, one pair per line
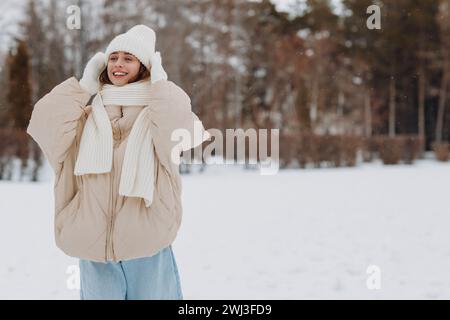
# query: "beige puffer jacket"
92, 221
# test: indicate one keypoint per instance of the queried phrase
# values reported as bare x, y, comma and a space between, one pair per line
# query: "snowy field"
299, 234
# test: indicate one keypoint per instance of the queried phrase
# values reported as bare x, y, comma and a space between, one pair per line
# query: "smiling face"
123, 68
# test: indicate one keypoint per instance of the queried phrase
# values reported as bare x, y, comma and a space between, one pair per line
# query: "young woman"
117, 184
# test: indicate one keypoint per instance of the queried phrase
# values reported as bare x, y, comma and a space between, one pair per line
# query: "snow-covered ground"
299, 234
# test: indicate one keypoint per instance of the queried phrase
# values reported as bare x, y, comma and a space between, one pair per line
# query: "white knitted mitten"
157, 70
89, 81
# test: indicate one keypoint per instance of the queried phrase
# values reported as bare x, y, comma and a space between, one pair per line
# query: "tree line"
331, 85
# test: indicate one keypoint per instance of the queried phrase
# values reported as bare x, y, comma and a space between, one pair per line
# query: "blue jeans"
147, 278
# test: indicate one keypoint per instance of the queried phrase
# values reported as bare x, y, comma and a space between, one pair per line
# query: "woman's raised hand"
157, 71
90, 79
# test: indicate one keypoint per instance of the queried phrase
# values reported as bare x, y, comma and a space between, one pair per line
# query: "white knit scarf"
96, 147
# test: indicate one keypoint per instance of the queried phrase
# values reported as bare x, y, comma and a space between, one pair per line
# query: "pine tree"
19, 97
19, 91
444, 58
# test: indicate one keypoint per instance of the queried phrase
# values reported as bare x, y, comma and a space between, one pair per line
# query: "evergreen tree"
19, 97
19, 91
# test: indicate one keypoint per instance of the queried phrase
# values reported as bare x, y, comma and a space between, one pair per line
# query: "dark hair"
143, 73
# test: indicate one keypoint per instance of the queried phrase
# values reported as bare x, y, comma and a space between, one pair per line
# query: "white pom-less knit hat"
139, 41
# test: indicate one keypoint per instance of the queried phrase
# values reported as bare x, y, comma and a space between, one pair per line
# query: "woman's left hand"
157, 71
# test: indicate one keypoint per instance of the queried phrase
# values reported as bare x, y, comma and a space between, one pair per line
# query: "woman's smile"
119, 73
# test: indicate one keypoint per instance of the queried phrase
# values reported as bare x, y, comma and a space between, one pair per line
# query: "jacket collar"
122, 119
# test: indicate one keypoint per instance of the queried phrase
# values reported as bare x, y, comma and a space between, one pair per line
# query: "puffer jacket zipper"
109, 240
113, 213
108, 231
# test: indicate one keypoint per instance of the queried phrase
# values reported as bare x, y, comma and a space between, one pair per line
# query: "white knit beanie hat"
139, 41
